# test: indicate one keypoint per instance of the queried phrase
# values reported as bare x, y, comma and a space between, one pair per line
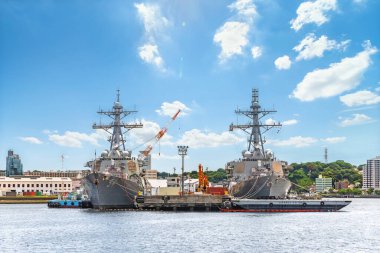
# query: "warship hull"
262, 187
286, 205
110, 192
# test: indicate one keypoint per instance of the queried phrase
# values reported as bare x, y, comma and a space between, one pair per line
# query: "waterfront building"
14, 165
323, 183
371, 173
57, 173
174, 181
341, 185
75, 175
44, 185
150, 174
190, 185
155, 185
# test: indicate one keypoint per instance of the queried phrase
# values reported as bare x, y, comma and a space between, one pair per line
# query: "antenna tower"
117, 113
253, 128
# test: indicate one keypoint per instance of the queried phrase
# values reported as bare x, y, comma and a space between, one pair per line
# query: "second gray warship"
258, 174
116, 177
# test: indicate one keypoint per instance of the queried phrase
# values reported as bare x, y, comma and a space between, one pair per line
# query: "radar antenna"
117, 114
255, 113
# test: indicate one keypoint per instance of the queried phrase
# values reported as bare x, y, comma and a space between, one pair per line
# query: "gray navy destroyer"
258, 181
116, 177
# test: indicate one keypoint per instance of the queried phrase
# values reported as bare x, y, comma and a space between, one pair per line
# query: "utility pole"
182, 151
62, 159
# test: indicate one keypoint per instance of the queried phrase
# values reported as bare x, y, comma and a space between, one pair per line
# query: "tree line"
304, 174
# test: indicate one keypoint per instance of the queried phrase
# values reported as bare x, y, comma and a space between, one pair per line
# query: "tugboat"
116, 177
257, 181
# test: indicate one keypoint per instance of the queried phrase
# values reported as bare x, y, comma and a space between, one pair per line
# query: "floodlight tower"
182, 151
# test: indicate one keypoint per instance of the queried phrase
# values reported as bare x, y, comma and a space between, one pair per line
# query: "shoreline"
23, 201
26, 200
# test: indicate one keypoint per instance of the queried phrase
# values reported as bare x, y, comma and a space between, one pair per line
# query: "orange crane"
158, 136
203, 180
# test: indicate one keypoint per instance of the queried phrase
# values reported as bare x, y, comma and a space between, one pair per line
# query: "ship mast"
255, 113
117, 114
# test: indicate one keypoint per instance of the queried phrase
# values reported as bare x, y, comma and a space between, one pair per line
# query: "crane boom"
158, 136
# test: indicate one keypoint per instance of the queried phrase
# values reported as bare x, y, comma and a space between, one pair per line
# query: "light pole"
182, 151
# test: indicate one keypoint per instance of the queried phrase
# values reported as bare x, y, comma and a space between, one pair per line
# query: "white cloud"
195, 138
283, 62
30, 139
256, 52
333, 140
149, 53
311, 47
313, 12
338, 78
162, 156
357, 119
284, 123
169, 109
270, 121
76, 139
151, 16
232, 37
359, 1
289, 122
154, 25
296, 141
363, 97
246, 9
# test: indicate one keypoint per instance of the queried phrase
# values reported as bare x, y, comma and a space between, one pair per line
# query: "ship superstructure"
116, 176
257, 174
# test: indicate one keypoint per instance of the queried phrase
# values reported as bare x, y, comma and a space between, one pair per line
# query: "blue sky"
316, 62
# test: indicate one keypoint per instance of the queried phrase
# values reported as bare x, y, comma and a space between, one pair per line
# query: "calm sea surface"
35, 228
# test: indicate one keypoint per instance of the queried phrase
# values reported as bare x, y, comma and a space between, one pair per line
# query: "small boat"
67, 203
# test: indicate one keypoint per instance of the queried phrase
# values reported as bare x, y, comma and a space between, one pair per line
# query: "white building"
323, 184
155, 184
371, 174
190, 185
45, 185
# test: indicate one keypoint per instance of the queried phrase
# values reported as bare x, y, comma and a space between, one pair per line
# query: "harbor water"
35, 228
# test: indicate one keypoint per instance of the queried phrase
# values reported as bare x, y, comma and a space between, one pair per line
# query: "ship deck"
194, 202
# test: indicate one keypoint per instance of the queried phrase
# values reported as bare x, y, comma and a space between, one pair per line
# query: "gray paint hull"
256, 205
270, 186
110, 192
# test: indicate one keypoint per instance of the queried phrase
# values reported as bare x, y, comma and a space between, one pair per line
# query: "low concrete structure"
170, 191
174, 181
